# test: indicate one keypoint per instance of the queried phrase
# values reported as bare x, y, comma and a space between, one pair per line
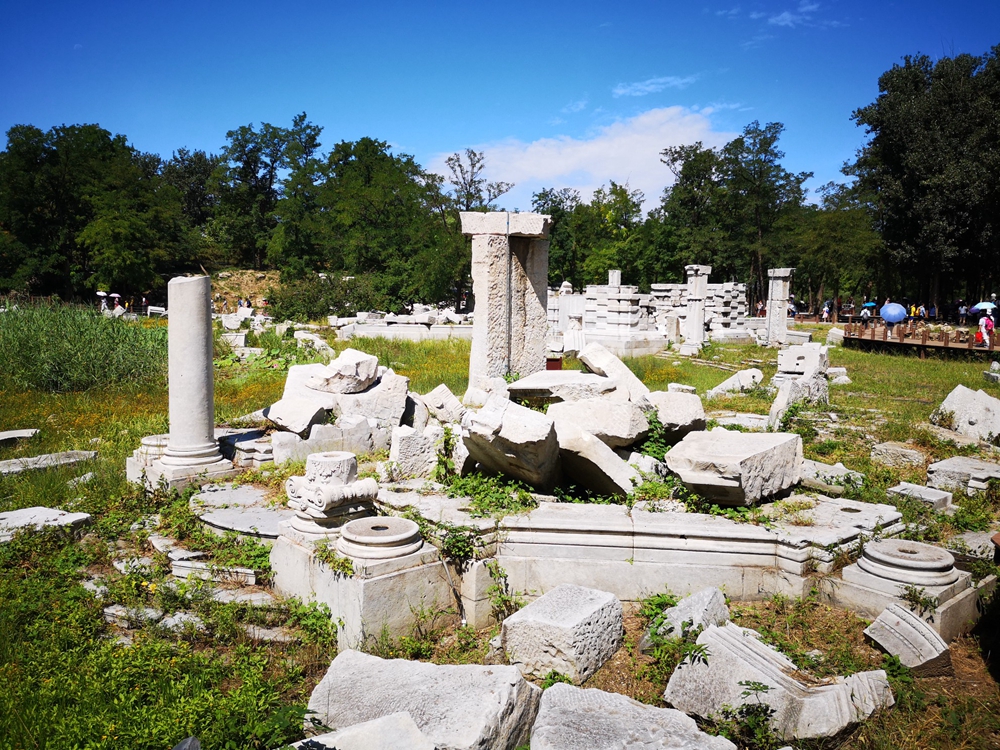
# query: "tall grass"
46, 347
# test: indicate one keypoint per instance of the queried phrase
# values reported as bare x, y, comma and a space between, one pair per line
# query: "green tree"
931, 166
758, 191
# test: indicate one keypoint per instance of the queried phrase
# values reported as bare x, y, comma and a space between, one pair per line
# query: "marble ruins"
368, 544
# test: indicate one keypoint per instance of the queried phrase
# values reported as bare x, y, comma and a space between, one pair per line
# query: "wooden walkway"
911, 335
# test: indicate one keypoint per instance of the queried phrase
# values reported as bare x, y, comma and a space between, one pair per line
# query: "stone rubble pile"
801, 378
974, 414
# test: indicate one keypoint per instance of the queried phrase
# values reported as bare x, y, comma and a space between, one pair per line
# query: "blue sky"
557, 94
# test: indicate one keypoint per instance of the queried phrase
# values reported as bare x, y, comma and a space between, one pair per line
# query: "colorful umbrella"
984, 307
102, 294
869, 304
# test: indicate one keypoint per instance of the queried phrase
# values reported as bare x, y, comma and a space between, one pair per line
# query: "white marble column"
510, 267
779, 286
694, 323
192, 453
191, 374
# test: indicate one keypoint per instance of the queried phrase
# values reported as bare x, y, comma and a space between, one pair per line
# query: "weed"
749, 724
553, 678
459, 545
444, 467
327, 554
503, 601
492, 496
919, 601
656, 443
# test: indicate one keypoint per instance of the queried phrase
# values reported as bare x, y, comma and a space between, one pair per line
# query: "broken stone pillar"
510, 266
614, 278
192, 452
777, 305
694, 323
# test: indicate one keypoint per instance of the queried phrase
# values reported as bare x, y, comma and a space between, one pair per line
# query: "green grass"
426, 363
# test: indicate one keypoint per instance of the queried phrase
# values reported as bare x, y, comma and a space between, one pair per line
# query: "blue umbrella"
893, 313
983, 307
869, 304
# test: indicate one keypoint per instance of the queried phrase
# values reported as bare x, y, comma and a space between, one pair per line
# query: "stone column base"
689, 350
179, 477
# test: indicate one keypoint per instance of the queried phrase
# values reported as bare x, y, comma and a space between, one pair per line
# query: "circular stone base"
244, 509
907, 562
379, 538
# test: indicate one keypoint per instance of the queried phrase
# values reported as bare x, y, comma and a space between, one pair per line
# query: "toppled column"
694, 323
510, 267
192, 452
777, 304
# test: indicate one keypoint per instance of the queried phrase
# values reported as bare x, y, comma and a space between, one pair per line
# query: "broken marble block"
513, 440
599, 360
351, 372
348, 433
391, 732
590, 464
616, 425
295, 415
385, 402
898, 455
570, 718
744, 380
936, 499
465, 707
561, 385
37, 518
899, 632
678, 412
414, 453
692, 613
801, 711
444, 406
736, 468
571, 630
974, 414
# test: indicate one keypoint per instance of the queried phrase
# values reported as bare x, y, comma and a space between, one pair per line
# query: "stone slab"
47, 461
975, 414
243, 509
678, 412
456, 706
571, 718
897, 455
37, 518
936, 499
962, 474
599, 360
9, 437
617, 426
560, 385
572, 630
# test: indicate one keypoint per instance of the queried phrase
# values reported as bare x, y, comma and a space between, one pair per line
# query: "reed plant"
59, 348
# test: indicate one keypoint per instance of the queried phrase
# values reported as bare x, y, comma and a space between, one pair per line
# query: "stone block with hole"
571, 630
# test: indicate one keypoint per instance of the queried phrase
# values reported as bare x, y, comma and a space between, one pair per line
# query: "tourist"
760, 308
963, 312
826, 312
985, 328
865, 316
922, 312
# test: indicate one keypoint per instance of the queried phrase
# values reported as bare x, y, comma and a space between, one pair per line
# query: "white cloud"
792, 19
577, 106
652, 85
731, 13
625, 151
